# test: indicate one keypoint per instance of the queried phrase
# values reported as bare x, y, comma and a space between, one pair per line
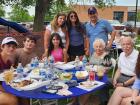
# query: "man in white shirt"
125, 74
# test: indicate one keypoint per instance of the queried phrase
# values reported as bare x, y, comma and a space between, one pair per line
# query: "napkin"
64, 92
98, 84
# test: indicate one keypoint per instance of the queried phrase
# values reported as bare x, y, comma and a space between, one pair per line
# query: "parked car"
131, 25
117, 25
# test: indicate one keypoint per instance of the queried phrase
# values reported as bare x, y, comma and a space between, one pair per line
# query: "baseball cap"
92, 10
8, 40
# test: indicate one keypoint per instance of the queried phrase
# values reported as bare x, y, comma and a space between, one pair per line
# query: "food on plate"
88, 84
36, 71
22, 83
81, 74
66, 76
8, 76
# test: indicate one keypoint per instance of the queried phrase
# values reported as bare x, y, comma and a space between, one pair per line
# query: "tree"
138, 16
20, 14
42, 7
58, 6
2, 11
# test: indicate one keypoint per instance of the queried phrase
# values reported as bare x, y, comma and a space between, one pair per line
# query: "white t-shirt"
60, 32
127, 64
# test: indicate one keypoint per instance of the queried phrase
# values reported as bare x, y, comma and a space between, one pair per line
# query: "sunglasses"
73, 16
91, 12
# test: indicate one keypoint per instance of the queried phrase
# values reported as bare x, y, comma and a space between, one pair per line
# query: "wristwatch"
132, 102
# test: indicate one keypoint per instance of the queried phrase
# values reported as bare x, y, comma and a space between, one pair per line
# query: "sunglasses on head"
72, 16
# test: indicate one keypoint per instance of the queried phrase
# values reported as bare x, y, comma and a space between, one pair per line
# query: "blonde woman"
57, 25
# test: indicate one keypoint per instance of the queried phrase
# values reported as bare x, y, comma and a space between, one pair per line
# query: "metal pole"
136, 13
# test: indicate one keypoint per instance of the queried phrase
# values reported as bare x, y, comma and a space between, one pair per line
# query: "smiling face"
56, 41
29, 44
99, 48
8, 49
61, 20
93, 17
73, 17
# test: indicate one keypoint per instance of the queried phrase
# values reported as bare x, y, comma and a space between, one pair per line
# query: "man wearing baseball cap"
98, 28
8, 47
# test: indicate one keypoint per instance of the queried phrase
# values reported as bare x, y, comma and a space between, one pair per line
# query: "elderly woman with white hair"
99, 52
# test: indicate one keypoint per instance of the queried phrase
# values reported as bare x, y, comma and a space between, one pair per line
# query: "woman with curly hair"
57, 25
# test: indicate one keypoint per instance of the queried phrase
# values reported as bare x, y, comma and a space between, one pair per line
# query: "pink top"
57, 54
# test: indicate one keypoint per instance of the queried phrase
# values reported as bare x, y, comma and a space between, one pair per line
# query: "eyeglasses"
73, 16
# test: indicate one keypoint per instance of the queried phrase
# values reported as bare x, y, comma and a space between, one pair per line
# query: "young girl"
56, 48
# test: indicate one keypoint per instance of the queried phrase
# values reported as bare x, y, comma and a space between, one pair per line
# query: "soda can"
91, 75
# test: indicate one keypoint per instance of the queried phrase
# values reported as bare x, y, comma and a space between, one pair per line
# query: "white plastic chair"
114, 66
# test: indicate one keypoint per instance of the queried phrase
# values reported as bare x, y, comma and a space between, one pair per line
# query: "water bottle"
36, 62
77, 61
49, 74
46, 63
19, 68
42, 73
19, 71
51, 62
84, 61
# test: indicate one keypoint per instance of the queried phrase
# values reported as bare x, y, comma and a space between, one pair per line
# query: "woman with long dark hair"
76, 33
56, 48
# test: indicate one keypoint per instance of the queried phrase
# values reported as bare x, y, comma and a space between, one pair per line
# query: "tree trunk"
42, 6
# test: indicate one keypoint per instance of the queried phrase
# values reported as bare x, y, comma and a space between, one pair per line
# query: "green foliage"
58, 6
23, 3
2, 11
98, 3
138, 16
20, 14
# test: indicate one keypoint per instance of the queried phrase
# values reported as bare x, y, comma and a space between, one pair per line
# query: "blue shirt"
136, 84
100, 30
76, 37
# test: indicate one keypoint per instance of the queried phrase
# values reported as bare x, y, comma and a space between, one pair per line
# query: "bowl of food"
81, 74
66, 76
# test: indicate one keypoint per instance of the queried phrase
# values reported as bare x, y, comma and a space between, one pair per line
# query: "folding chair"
49, 102
114, 66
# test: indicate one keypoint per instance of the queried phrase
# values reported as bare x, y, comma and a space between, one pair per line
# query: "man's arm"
86, 45
130, 81
113, 34
117, 75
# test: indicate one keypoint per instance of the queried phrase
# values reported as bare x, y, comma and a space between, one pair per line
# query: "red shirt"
4, 65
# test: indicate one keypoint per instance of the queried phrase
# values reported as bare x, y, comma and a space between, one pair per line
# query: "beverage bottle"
77, 60
84, 61
19, 68
42, 72
46, 63
51, 61
36, 62
19, 71
91, 75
